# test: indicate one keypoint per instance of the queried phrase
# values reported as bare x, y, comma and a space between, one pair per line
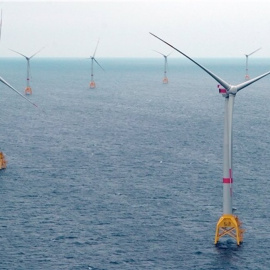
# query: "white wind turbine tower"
228, 224
165, 79
247, 55
28, 89
92, 83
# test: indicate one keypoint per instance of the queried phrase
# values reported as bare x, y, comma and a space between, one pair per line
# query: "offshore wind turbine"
228, 224
28, 89
93, 59
247, 55
165, 79
5, 82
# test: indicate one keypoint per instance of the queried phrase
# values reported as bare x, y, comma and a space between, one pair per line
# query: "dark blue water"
128, 175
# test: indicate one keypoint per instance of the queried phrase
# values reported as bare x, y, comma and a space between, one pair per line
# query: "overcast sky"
200, 28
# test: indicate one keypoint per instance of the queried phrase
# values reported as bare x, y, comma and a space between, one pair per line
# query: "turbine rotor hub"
232, 90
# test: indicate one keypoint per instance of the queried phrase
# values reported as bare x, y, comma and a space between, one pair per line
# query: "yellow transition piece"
28, 91
3, 162
229, 225
165, 80
92, 84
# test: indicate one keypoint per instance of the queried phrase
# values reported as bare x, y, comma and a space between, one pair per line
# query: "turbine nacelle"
232, 90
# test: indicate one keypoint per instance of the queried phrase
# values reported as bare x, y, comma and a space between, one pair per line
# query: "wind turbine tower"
28, 89
247, 55
228, 224
93, 59
165, 79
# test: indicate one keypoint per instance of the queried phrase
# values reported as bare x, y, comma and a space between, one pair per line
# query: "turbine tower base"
28, 90
92, 84
165, 80
229, 225
3, 162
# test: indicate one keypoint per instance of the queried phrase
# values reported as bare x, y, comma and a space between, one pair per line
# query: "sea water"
129, 175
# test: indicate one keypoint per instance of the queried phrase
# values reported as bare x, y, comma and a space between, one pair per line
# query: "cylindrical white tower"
227, 155
28, 73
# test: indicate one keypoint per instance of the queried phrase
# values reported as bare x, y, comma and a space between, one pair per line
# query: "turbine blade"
95, 49
20, 54
254, 52
36, 53
247, 83
160, 53
218, 79
98, 64
7, 84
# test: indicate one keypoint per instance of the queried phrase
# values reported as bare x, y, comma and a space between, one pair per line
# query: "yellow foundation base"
28, 91
3, 162
229, 225
92, 84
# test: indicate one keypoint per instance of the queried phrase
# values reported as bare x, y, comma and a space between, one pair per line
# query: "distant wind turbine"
92, 83
247, 55
28, 89
5, 82
228, 223
165, 79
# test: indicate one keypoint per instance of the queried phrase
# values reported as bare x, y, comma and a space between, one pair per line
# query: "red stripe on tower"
227, 180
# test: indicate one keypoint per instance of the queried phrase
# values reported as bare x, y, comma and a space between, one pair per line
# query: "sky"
200, 28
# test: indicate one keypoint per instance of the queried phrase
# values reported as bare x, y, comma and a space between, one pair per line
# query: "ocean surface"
129, 175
